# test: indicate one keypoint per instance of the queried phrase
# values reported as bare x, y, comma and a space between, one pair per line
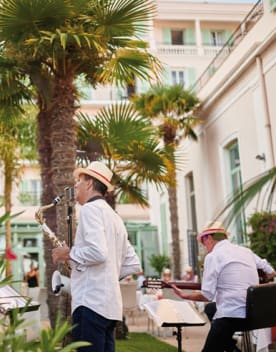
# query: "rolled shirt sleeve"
263, 264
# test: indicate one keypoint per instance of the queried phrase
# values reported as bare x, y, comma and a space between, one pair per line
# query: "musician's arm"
193, 296
264, 265
271, 275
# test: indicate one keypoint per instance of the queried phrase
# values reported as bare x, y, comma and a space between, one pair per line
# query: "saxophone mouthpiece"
58, 199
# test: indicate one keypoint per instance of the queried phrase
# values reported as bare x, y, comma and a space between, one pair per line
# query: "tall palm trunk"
175, 232
8, 206
57, 153
63, 141
48, 194
169, 134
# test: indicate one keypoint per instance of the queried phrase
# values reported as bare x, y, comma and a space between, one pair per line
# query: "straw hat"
99, 171
212, 227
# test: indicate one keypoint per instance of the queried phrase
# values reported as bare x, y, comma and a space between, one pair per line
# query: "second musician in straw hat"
100, 256
229, 269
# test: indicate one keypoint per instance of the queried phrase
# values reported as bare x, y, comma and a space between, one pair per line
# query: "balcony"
174, 50
243, 29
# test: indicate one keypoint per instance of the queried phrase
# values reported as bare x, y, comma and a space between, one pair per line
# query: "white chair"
128, 291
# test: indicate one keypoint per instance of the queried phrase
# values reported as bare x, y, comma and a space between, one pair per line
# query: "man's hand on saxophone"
61, 254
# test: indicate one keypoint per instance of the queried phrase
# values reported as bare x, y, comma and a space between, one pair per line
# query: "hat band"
213, 231
106, 179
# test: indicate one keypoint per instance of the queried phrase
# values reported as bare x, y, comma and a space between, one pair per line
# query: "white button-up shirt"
229, 270
100, 256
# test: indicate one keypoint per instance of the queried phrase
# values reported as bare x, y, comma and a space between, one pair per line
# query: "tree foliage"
263, 235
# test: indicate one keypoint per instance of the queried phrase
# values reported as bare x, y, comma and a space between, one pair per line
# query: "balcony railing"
163, 49
188, 50
246, 25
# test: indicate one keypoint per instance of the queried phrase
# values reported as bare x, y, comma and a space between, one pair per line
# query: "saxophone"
60, 283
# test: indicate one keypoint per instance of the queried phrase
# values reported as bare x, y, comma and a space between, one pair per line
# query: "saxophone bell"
60, 284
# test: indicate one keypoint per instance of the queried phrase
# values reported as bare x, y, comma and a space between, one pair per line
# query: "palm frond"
129, 142
127, 187
127, 63
263, 184
122, 17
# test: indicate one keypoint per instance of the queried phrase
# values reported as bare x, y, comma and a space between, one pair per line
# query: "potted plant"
159, 262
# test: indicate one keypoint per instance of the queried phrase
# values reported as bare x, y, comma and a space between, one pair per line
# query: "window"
217, 38
236, 184
30, 191
29, 242
177, 37
178, 77
191, 203
192, 223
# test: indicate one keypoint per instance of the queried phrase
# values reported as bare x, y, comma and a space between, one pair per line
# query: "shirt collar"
92, 199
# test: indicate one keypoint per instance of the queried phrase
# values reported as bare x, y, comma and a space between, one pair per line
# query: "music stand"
171, 313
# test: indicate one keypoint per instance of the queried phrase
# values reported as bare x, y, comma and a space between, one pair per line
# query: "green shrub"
263, 235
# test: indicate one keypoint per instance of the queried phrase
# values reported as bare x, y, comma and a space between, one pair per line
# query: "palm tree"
130, 146
173, 107
52, 43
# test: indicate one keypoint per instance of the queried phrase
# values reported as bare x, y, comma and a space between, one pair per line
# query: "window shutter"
191, 77
167, 76
272, 5
24, 186
206, 35
189, 36
228, 34
142, 86
167, 38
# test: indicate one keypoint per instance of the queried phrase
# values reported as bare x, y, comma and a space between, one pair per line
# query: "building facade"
236, 141
187, 37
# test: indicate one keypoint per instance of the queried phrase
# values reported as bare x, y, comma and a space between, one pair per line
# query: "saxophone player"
100, 256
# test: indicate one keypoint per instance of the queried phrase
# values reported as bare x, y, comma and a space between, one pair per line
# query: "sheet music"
171, 311
10, 299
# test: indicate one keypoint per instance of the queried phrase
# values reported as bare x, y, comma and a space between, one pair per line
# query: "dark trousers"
219, 338
94, 328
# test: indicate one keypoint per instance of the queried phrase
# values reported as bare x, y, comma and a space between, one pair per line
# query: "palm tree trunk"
8, 206
47, 196
175, 231
63, 141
